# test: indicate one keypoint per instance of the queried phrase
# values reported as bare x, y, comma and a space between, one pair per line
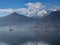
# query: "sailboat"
10, 30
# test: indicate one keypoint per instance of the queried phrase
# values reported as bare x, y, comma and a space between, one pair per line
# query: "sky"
27, 7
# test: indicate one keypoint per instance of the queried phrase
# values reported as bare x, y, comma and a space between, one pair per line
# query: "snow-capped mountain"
38, 13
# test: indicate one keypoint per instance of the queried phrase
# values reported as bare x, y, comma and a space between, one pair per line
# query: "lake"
18, 36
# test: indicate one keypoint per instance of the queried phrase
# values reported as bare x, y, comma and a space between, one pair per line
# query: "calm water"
19, 36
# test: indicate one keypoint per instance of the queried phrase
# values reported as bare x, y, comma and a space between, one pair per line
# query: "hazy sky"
9, 6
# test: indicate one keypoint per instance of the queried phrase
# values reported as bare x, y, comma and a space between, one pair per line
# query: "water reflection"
1, 43
35, 43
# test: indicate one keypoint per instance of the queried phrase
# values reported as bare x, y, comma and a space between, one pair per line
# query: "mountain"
15, 19
50, 21
55, 15
48, 28
39, 13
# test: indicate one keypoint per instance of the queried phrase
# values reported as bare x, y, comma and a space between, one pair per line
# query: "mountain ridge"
15, 19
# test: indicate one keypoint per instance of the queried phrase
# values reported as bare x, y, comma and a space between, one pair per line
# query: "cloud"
6, 10
32, 9
36, 5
